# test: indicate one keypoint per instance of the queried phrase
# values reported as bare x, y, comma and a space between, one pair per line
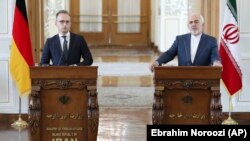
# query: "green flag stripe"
233, 8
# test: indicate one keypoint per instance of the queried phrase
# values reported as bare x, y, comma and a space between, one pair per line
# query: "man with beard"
192, 49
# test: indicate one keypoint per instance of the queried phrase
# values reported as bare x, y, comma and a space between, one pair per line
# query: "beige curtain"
129, 16
91, 15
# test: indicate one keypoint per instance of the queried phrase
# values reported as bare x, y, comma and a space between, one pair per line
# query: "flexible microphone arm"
59, 62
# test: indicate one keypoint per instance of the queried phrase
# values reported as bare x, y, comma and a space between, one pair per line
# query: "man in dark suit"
66, 48
192, 49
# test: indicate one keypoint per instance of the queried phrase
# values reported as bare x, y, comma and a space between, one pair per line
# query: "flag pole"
19, 124
229, 120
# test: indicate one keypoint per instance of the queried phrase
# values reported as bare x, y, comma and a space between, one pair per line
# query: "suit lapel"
58, 45
200, 47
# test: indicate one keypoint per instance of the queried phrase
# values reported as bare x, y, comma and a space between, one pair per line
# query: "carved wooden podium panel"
187, 95
63, 104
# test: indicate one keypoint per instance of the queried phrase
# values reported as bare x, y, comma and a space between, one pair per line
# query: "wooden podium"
63, 104
187, 95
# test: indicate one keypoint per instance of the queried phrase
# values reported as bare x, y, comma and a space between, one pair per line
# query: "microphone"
44, 65
58, 64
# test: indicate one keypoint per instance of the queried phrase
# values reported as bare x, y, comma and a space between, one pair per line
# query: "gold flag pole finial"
229, 120
19, 124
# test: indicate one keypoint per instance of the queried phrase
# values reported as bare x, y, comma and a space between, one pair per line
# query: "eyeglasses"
62, 22
195, 21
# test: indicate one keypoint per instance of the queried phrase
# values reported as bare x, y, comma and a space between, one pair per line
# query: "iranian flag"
229, 47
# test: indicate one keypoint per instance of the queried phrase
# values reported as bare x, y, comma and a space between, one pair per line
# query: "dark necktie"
65, 49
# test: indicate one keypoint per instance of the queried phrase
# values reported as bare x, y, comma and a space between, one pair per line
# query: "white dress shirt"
62, 40
194, 45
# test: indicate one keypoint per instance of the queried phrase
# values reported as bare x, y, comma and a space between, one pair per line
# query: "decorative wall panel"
243, 10
4, 12
4, 79
51, 7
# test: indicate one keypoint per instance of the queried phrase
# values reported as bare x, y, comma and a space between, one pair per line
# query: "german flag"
21, 53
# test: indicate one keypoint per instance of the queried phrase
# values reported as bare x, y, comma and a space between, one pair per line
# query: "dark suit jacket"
78, 49
206, 54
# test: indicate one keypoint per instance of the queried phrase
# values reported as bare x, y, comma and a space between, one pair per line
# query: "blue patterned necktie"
65, 49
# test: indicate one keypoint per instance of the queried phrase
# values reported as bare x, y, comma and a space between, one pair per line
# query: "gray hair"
201, 17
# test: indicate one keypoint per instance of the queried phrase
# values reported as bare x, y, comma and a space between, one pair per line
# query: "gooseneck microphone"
60, 59
64, 52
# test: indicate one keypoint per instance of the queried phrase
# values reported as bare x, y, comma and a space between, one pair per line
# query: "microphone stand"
60, 59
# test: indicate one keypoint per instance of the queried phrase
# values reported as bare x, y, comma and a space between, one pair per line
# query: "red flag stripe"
232, 76
21, 37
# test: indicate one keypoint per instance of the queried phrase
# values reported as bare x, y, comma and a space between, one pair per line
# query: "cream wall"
169, 18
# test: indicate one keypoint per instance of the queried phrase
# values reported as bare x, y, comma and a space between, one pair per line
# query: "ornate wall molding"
49, 11
5, 13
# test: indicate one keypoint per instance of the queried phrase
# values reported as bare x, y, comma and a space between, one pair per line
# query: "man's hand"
153, 65
217, 64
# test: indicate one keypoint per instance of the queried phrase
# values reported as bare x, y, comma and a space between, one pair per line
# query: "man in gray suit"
193, 49
66, 48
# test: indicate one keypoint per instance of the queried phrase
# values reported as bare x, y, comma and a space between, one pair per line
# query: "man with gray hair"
193, 49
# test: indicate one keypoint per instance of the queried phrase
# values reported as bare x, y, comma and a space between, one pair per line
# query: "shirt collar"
67, 34
197, 37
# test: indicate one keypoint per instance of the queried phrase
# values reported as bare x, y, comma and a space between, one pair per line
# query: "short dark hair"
62, 12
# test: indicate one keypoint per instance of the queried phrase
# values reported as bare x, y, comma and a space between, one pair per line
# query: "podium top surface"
64, 72
187, 72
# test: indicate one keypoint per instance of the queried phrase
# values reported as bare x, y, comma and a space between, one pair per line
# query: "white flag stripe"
233, 48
